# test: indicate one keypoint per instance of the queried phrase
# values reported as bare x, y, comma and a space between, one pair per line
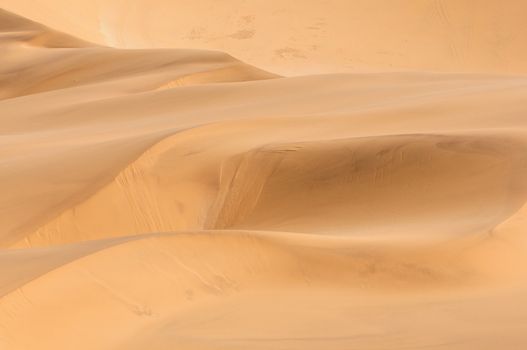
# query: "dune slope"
27, 46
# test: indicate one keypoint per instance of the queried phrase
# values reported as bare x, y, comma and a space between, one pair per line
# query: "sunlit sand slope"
212, 290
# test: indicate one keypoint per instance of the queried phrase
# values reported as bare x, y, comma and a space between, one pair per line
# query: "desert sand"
191, 176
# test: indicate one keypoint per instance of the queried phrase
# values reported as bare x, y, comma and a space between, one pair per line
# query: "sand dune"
385, 179
198, 290
311, 37
71, 63
165, 198
207, 128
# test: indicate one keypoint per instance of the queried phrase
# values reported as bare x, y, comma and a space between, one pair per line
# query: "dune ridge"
72, 63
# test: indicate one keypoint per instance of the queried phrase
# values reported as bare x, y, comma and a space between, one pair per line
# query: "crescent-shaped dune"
169, 198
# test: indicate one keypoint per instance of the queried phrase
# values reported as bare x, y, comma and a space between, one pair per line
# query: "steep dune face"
476, 184
314, 36
170, 198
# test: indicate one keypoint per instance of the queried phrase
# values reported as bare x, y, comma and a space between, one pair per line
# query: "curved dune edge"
128, 72
30, 46
351, 182
383, 179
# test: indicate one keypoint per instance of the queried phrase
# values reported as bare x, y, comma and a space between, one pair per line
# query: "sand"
308, 36
179, 197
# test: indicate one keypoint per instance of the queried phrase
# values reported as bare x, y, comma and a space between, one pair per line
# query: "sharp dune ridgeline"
263, 175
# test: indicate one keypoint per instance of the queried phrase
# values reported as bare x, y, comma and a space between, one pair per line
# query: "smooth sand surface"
308, 36
170, 198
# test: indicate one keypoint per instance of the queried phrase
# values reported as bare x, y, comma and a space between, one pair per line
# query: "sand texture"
197, 176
